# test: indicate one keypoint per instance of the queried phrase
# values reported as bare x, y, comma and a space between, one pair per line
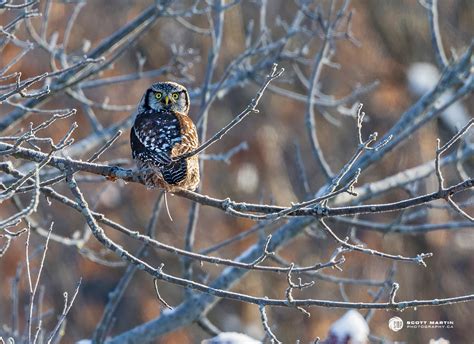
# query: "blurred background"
393, 35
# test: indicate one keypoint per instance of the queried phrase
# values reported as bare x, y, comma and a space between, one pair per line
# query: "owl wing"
152, 136
189, 136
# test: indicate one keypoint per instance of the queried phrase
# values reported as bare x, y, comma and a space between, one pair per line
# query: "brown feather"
189, 137
189, 142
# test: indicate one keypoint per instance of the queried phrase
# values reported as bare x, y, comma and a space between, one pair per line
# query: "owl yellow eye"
175, 96
158, 95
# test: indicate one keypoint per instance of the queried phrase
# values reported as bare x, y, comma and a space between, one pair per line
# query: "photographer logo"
395, 324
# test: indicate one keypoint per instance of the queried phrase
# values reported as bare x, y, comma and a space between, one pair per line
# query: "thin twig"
251, 108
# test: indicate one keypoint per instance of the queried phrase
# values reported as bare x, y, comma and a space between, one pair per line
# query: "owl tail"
174, 172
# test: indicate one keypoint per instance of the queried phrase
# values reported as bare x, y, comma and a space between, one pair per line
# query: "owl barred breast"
162, 131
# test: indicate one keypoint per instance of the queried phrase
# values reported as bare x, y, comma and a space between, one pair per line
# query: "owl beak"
167, 100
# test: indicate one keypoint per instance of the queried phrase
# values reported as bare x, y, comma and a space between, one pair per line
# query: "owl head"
168, 96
